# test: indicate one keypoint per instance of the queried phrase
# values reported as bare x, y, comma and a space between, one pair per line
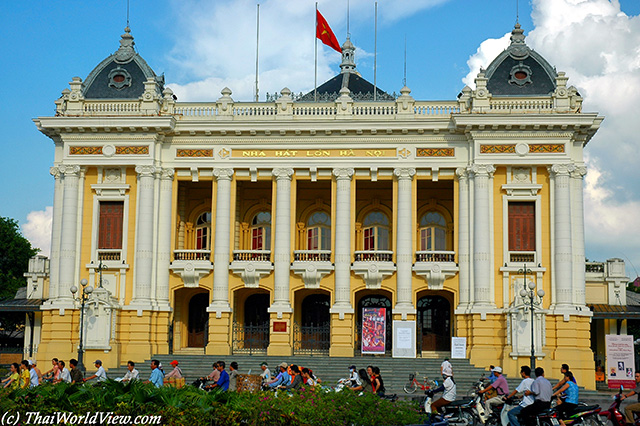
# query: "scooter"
614, 415
468, 411
584, 415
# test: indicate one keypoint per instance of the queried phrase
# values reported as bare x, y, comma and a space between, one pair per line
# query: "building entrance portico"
434, 323
312, 325
251, 323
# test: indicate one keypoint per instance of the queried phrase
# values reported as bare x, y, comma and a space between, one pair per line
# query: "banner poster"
458, 347
620, 361
374, 330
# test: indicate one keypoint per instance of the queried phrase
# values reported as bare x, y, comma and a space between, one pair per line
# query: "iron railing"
250, 339
311, 339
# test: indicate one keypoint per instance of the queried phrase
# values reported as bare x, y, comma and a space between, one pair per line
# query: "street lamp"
86, 292
527, 292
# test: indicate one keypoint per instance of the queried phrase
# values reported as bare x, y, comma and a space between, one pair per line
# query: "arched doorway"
312, 335
434, 323
374, 301
198, 320
251, 335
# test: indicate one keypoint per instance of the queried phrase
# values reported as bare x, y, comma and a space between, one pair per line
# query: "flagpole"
257, 47
315, 78
375, 53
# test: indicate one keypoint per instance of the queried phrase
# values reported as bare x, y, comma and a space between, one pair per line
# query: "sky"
202, 46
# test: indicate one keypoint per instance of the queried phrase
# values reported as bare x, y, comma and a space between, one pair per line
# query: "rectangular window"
522, 226
110, 225
312, 239
256, 243
369, 239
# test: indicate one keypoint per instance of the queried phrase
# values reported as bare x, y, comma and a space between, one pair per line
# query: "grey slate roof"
520, 71
121, 75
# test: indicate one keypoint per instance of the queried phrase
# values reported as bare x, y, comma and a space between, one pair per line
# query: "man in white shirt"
446, 369
266, 374
132, 373
65, 375
449, 395
100, 375
525, 385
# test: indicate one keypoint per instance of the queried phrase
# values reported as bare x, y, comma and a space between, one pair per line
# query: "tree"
15, 252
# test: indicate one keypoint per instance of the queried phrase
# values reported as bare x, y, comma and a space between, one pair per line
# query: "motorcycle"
468, 411
614, 415
583, 414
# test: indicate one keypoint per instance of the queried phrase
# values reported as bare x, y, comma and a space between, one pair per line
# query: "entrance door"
198, 320
313, 334
256, 321
434, 323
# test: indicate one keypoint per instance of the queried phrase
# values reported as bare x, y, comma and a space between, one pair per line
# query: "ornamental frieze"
132, 150
193, 153
108, 150
540, 148
435, 152
85, 150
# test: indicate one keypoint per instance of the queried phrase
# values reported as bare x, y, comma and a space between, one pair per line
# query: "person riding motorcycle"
541, 390
525, 385
570, 390
449, 395
631, 408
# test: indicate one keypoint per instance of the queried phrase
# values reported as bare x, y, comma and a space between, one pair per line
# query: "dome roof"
121, 75
520, 71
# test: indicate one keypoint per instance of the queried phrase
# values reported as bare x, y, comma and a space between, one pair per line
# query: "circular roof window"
119, 78
520, 75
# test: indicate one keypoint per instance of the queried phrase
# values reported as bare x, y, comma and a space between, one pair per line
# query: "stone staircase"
395, 371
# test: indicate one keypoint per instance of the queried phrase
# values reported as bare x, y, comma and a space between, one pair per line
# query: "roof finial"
348, 57
126, 50
517, 35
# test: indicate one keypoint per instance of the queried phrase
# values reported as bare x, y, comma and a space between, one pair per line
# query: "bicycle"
413, 384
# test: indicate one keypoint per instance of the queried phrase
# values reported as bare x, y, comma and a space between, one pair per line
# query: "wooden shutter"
110, 225
522, 227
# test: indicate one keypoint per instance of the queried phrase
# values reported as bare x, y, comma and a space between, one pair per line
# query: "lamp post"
527, 292
86, 292
101, 267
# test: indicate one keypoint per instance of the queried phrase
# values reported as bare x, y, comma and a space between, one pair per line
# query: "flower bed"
191, 406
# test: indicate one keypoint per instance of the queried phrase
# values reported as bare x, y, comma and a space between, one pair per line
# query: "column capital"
282, 173
482, 170
462, 173
404, 173
69, 170
55, 172
579, 172
145, 171
166, 174
223, 174
344, 174
562, 169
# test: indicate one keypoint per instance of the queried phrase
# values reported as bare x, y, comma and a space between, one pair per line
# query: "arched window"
261, 231
319, 231
433, 231
203, 231
375, 230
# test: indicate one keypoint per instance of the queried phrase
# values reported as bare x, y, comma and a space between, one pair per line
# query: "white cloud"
218, 44
599, 48
37, 229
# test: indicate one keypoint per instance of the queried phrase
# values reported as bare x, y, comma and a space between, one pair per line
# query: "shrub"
189, 406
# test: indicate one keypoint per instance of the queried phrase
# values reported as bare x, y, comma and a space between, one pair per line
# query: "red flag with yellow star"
324, 33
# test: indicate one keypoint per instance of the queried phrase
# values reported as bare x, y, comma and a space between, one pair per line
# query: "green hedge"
191, 406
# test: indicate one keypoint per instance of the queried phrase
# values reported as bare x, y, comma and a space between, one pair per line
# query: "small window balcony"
373, 266
312, 266
251, 266
435, 267
522, 257
112, 255
191, 265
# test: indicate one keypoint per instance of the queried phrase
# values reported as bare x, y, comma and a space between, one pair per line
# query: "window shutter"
522, 227
110, 225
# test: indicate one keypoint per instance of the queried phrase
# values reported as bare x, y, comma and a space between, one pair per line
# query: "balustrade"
374, 256
312, 255
252, 255
435, 256
192, 254
109, 254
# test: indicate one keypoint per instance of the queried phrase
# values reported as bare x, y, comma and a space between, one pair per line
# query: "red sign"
279, 326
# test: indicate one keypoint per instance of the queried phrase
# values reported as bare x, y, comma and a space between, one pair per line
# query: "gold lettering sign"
313, 153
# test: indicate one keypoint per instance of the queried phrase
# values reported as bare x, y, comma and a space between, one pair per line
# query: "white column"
68, 232
342, 238
463, 237
563, 262
164, 237
481, 234
222, 243
143, 266
282, 246
404, 242
577, 222
56, 225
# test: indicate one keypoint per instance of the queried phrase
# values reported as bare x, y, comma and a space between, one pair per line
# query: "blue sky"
201, 46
